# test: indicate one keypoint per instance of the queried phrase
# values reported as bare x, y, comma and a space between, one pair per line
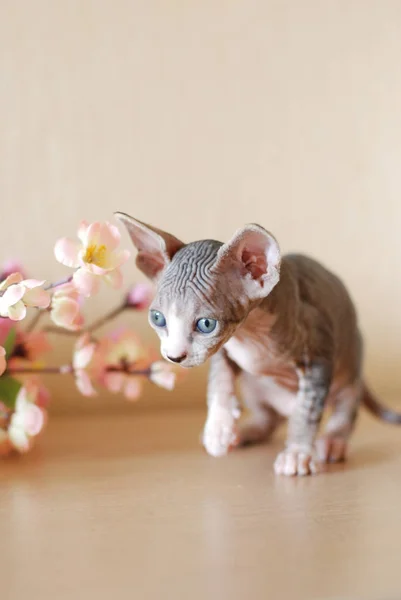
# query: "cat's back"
314, 279
323, 290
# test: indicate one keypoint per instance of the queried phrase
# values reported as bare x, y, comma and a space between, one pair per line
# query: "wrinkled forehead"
189, 286
188, 278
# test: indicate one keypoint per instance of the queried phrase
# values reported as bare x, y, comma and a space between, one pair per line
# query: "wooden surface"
129, 507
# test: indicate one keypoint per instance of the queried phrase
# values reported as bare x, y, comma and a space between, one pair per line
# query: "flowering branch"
69, 369
51, 286
108, 317
62, 369
118, 361
60, 331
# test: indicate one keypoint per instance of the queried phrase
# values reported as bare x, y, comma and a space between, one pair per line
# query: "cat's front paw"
296, 461
220, 433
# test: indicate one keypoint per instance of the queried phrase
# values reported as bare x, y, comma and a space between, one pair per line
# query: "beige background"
199, 117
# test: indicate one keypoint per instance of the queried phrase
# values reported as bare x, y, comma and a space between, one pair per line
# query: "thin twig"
62, 370
103, 320
128, 371
61, 282
95, 325
69, 369
61, 331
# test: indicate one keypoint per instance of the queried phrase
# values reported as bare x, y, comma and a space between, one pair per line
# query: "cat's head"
205, 289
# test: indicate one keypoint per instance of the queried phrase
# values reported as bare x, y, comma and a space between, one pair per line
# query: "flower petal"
78, 322
84, 383
37, 297
92, 233
21, 401
95, 269
114, 278
123, 345
64, 312
66, 252
132, 388
114, 260
35, 343
11, 280
87, 284
17, 312
33, 420
113, 381
82, 341
121, 257
103, 234
66, 289
43, 398
140, 296
32, 283
109, 236
83, 356
3, 363
13, 294
18, 438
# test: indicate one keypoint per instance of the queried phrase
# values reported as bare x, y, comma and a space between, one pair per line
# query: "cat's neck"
275, 318
283, 297
269, 337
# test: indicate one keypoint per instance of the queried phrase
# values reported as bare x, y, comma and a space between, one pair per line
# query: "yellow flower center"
96, 255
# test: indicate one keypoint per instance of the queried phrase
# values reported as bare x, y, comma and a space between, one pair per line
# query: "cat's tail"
377, 409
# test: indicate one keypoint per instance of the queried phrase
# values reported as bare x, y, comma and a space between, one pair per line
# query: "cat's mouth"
188, 363
193, 362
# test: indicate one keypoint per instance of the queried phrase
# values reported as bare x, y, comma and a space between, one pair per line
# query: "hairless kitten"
285, 326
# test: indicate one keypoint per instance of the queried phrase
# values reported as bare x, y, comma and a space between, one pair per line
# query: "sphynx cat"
285, 326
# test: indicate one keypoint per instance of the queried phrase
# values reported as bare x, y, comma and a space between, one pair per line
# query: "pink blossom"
162, 374
118, 381
3, 363
94, 257
124, 346
28, 348
34, 344
83, 355
27, 420
122, 350
66, 307
139, 296
18, 293
43, 394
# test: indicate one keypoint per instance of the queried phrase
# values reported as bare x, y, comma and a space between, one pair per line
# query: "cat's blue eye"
157, 318
206, 325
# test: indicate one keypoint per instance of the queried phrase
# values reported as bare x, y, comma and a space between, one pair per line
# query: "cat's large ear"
253, 255
155, 248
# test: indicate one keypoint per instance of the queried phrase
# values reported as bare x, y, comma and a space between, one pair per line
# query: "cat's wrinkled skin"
286, 327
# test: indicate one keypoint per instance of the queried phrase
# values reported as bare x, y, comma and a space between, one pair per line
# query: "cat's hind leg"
332, 446
262, 419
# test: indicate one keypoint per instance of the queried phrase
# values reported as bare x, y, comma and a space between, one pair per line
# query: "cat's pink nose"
177, 359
